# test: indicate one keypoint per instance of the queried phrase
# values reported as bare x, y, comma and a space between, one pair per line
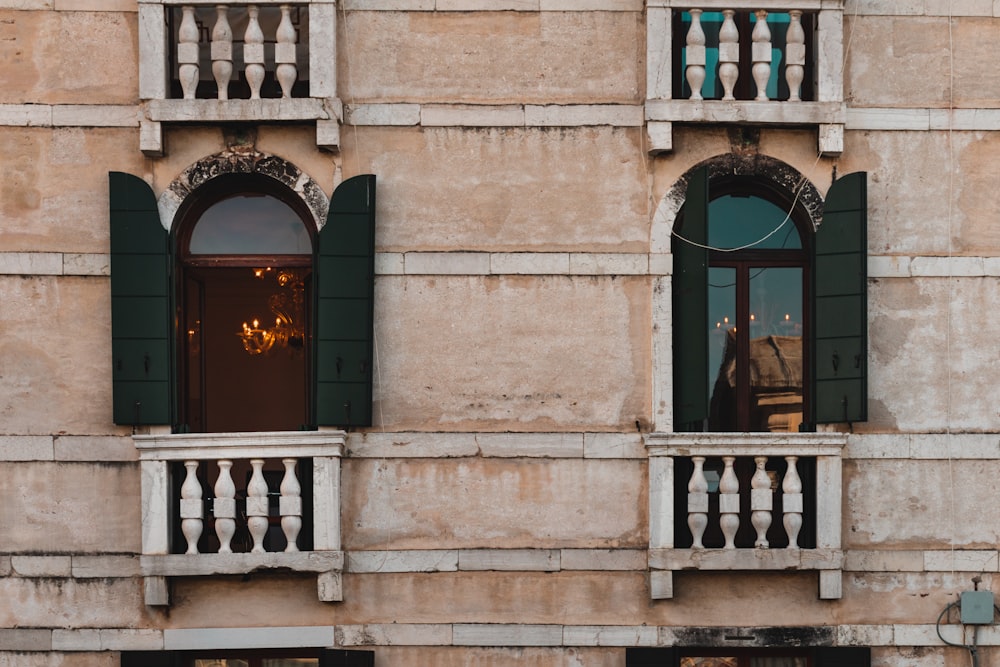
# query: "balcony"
235, 503
205, 62
745, 502
772, 63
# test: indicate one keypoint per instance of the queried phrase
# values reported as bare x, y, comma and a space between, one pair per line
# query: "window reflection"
250, 224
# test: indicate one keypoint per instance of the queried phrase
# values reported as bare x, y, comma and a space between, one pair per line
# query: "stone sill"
746, 559
209, 111
745, 444
770, 5
766, 113
193, 565
212, 446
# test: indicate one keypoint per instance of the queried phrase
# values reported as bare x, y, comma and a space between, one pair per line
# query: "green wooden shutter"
842, 656
344, 274
840, 282
140, 304
335, 657
690, 306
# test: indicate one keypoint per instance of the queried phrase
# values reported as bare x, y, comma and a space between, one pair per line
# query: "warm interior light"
288, 331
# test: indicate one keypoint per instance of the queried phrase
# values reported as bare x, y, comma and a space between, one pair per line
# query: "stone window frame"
321, 106
828, 113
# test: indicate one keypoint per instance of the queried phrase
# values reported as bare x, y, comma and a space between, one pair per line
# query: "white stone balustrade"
758, 517
237, 508
238, 42
751, 56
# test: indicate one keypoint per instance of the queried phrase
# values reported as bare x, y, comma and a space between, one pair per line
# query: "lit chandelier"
287, 331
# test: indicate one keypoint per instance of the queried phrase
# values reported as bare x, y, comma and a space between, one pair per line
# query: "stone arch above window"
243, 162
769, 171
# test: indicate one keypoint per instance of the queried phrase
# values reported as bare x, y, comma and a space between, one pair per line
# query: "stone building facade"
509, 452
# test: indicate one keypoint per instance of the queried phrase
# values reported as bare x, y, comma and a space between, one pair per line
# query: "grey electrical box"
977, 607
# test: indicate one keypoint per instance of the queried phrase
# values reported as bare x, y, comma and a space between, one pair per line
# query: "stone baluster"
729, 54
761, 54
284, 53
694, 55
729, 502
225, 507
290, 505
698, 502
791, 501
222, 51
191, 507
795, 54
760, 501
253, 52
187, 52
257, 510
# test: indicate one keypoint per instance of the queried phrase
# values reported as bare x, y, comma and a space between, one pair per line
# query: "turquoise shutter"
690, 306
840, 279
345, 289
140, 304
842, 656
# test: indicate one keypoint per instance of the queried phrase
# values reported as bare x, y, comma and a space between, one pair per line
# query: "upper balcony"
235, 503
270, 61
745, 502
769, 62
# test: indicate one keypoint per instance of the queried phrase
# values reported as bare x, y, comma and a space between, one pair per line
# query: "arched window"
245, 317
769, 316
245, 255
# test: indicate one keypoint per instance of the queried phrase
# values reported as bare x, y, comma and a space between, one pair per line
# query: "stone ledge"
213, 111
193, 565
746, 559
247, 638
764, 113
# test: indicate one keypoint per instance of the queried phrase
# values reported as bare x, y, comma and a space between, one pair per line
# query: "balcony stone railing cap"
745, 444
214, 3
770, 5
213, 446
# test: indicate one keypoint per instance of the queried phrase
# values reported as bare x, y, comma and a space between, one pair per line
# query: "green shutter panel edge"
140, 304
690, 308
840, 284
344, 275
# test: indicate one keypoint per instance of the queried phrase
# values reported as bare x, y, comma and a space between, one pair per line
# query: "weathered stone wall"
499, 511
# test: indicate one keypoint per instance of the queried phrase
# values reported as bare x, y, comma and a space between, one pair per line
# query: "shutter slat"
840, 283
690, 305
345, 289
140, 304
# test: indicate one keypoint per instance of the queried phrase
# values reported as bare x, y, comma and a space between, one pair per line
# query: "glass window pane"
776, 349
250, 224
737, 222
722, 345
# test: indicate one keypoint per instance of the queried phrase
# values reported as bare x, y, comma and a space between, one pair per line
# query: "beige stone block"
887, 119
496, 656
608, 264
70, 507
70, 603
42, 70
48, 172
507, 189
394, 634
483, 5
86, 264
26, 115
538, 374
26, 4
878, 446
591, 5
529, 263
41, 566
921, 505
610, 635
602, 559
93, 115
963, 8
961, 560
26, 448
864, 635
889, 267
24, 639
947, 390
417, 445
440, 115
506, 635
496, 57
76, 640
95, 448
945, 446
188, 639
613, 446
95, 5
583, 114
390, 263
5, 566
439, 263
391, 5
96, 567
59, 329
383, 114
946, 267
886, 7
431, 560
511, 560
31, 263
132, 640
492, 503
857, 560
545, 445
